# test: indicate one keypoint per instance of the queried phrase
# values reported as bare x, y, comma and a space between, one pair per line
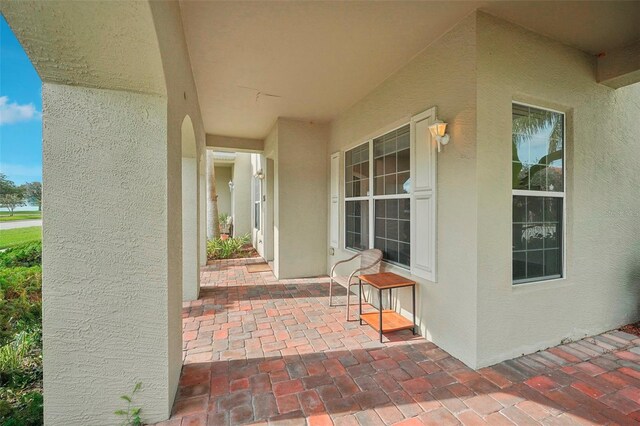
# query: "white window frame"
422, 195
543, 194
371, 198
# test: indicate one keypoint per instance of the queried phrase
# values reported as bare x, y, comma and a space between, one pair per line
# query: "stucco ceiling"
111, 45
321, 57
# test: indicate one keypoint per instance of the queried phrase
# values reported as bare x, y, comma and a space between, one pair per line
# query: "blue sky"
20, 112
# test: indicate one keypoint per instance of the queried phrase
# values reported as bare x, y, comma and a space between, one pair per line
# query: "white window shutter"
423, 197
335, 199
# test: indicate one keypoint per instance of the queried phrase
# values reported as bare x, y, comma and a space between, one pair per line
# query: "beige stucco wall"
223, 174
104, 251
442, 75
242, 193
182, 100
298, 178
302, 186
269, 236
93, 356
600, 291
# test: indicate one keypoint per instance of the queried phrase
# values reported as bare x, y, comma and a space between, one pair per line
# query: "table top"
385, 280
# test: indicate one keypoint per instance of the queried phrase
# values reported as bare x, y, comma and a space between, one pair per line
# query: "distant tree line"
12, 195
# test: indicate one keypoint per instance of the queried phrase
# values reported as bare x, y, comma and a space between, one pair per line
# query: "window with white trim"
538, 139
378, 196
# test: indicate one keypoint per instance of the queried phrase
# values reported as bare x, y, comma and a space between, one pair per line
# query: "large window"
380, 217
538, 193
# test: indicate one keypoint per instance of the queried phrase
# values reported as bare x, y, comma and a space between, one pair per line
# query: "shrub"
225, 249
21, 409
21, 336
29, 254
20, 300
21, 360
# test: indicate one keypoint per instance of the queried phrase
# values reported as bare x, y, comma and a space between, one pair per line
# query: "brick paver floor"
261, 351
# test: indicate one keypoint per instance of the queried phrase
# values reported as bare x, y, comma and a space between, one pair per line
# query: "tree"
11, 196
525, 127
33, 193
213, 223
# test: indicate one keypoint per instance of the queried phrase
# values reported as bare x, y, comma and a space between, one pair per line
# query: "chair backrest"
371, 257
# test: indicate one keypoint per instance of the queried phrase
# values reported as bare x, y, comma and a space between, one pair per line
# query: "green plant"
131, 414
222, 218
29, 254
13, 353
21, 408
20, 300
225, 249
21, 359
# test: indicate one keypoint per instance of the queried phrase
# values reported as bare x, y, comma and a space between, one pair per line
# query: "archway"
190, 264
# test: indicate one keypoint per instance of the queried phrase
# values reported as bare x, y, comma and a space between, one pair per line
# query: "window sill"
540, 285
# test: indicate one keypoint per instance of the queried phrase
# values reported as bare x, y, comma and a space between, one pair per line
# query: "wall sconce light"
259, 174
231, 185
439, 133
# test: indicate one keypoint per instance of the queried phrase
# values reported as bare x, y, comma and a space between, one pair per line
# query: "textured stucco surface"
263, 239
202, 209
228, 143
112, 285
302, 186
108, 44
273, 233
104, 253
600, 291
242, 193
182, 100
296, 188
443, 75
223, 174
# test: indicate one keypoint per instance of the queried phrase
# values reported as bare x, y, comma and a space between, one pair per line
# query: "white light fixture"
259, 174
439, 132
231, 185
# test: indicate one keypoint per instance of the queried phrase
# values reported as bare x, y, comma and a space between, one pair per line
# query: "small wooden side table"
386, 320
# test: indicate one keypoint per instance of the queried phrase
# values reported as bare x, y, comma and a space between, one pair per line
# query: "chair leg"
330, 290
348, 294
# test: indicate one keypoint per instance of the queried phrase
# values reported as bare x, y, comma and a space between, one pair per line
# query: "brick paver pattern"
262, 351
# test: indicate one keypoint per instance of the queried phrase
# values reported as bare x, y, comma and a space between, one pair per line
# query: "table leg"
390, 299
413, 297
380, 297
360, 300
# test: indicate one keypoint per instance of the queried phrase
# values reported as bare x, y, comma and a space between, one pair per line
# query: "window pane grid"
537, 146
538, 194
357, 171
391, 226
393, 230
537, 238
357, 224
391, 162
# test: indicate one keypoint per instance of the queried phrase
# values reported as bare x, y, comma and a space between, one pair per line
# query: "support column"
202, 208
190, 268
106, 313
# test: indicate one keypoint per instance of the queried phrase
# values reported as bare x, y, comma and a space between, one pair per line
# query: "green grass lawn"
13, 237
5, 216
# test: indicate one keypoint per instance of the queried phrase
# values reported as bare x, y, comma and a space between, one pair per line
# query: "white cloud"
11, 112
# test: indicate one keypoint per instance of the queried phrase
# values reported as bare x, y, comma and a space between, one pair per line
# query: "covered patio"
521, 233
258, 350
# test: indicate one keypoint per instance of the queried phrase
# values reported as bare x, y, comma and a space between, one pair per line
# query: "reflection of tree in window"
537, 149
538, 193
